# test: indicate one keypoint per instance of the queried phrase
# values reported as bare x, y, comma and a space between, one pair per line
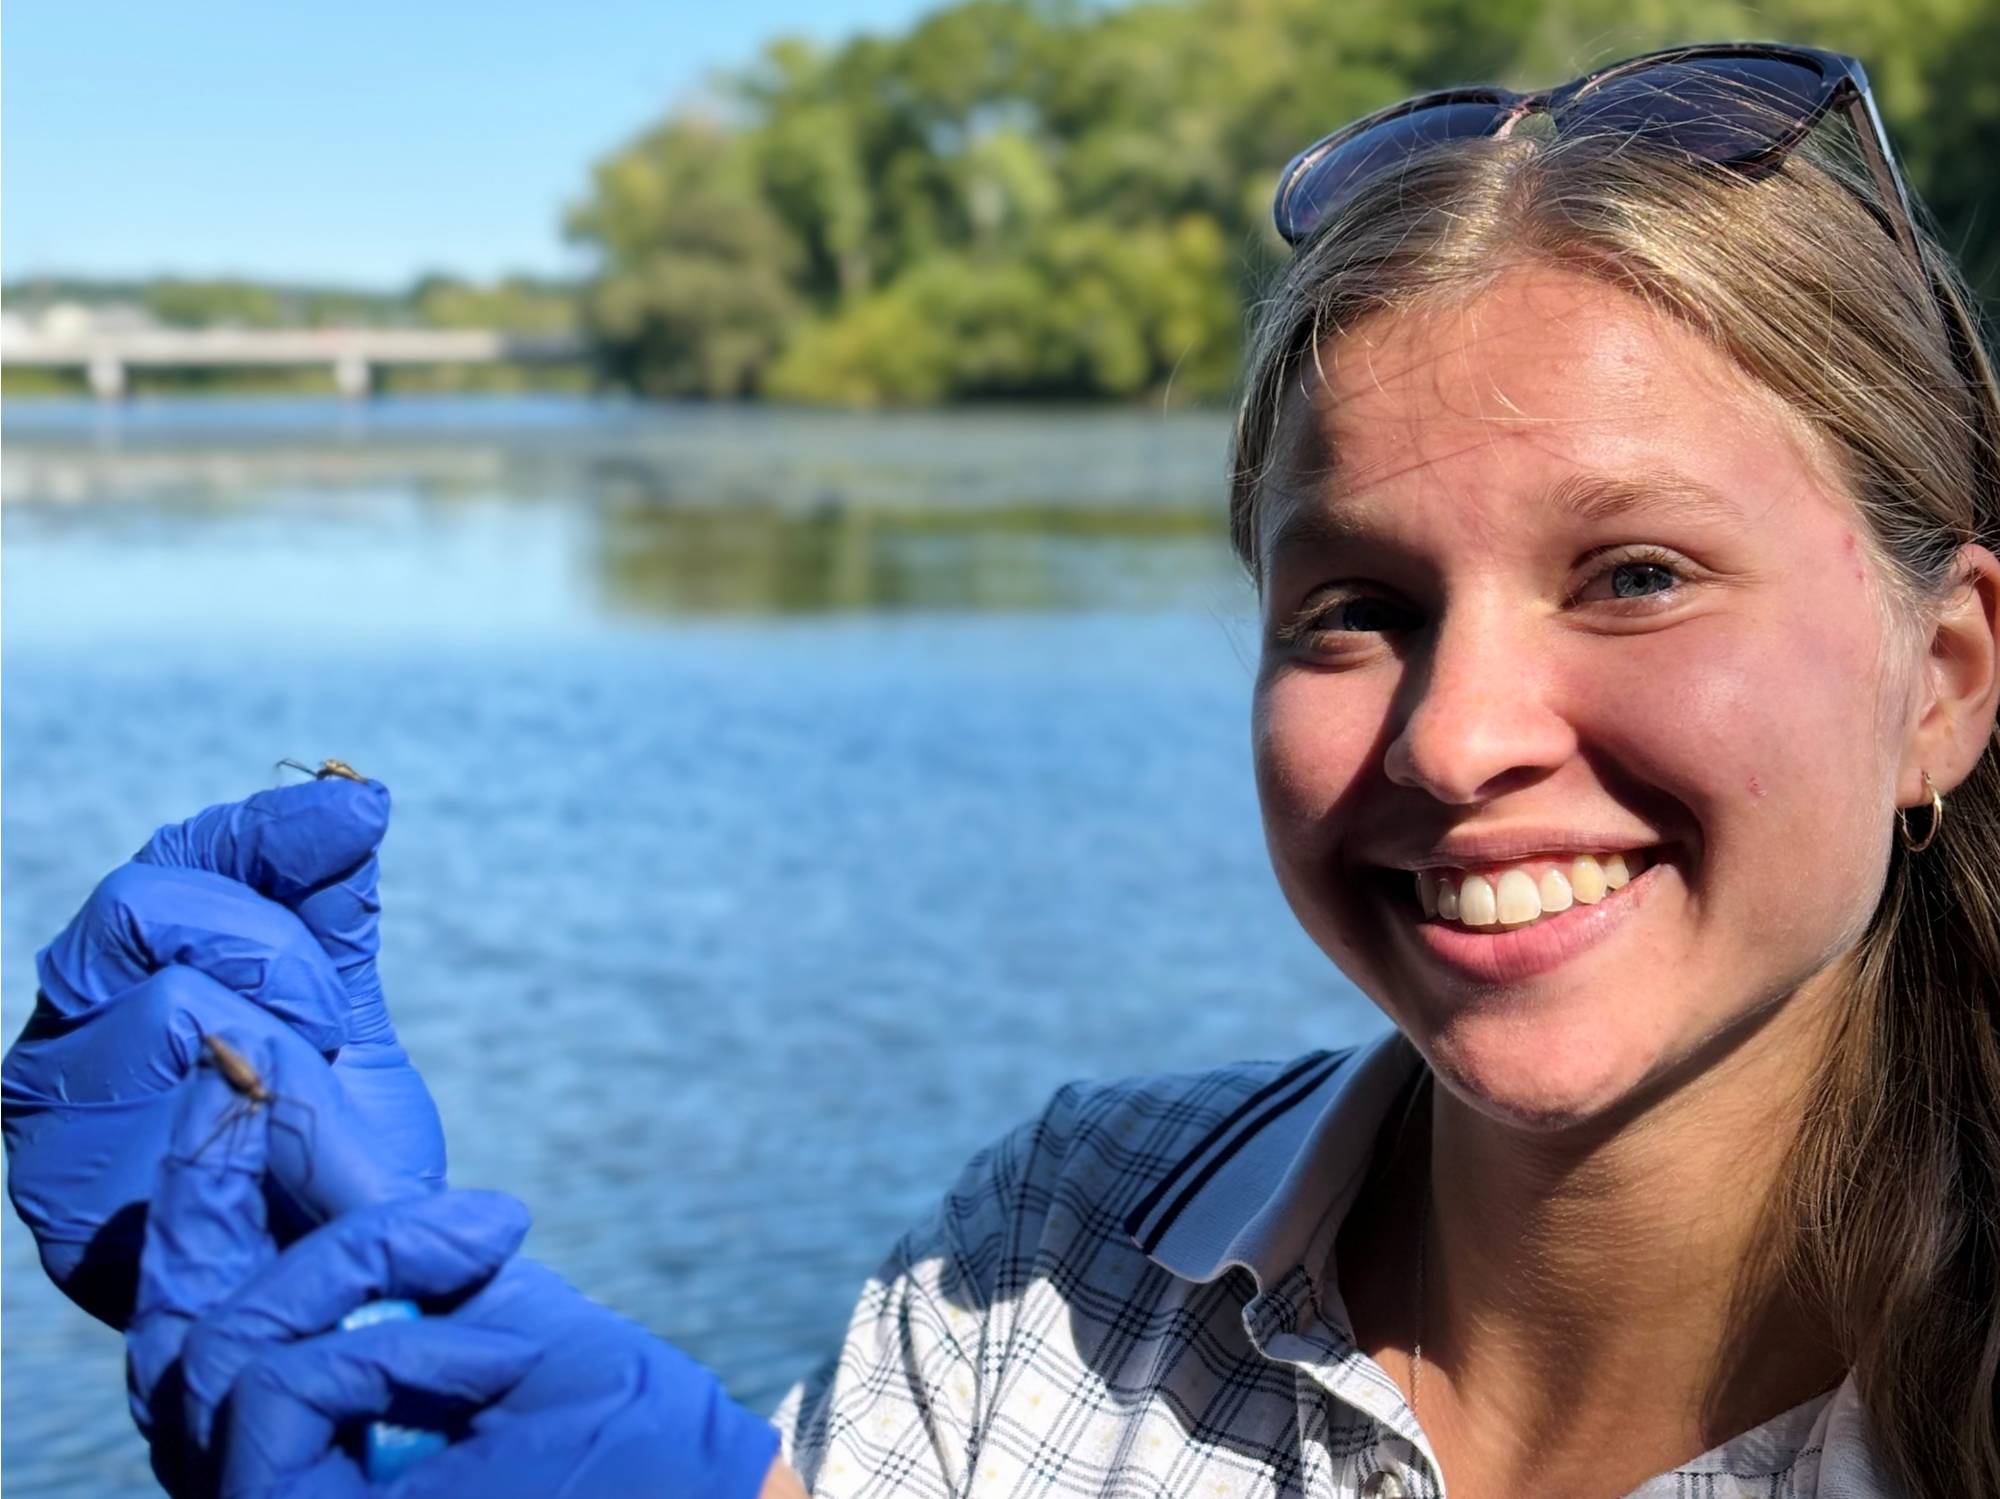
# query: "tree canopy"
1051, 198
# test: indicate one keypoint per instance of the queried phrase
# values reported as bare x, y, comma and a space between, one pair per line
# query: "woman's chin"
1534, 1078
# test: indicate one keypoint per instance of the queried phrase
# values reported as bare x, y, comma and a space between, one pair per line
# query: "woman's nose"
1475, 715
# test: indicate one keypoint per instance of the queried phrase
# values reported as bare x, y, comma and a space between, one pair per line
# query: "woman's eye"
1640, 574
1359, 614
1634, 577
1631, 580
1362, 615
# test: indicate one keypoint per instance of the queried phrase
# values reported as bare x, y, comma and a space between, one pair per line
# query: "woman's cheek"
1272, 752
1308, 738
1766, 740
1782, 722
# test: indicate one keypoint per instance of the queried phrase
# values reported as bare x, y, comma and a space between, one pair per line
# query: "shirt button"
1385, 1484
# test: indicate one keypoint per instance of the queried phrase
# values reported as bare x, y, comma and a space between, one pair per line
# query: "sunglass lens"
1719, 109
1321, 185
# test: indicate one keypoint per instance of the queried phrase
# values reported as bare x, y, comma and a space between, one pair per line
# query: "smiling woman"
1750, 644
1605, 506
1621, 503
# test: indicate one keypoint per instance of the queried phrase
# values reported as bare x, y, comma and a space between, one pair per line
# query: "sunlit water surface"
785, 804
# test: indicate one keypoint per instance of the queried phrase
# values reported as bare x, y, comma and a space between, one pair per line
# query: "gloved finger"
389, 1093
206, 1233
89, 1108
345, 917
283, 843
290, 844
142, 918
335, 1476
607, 1396
288, 1405
88, 1105
325, 1157
311, 848
444, 1245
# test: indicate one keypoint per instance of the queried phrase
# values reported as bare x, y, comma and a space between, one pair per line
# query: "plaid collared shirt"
1125, 1297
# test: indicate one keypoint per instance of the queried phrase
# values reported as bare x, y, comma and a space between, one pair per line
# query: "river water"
785, 803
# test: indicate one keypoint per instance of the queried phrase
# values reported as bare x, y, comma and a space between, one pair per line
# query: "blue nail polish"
388, 1450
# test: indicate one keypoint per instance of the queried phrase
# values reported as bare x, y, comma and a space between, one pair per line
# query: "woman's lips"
1501, 956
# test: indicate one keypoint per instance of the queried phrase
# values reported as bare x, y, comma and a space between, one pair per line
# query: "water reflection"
763, 559
701, 457
309, 514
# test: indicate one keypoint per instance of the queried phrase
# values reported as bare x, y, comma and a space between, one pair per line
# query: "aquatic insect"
326, 768
248, 1083
238, 1071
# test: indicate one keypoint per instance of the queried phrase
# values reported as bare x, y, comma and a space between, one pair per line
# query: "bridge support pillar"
353, 377
106, 373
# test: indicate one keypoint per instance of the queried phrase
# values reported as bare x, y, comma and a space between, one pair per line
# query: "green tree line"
1056, 199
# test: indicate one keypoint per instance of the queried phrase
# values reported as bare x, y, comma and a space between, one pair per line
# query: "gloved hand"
304, 1155
260, 914
544, 1392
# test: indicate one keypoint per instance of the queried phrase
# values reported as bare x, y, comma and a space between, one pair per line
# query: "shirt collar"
1272, 1182
1262, 1182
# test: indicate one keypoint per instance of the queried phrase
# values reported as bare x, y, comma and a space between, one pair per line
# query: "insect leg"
232, 1117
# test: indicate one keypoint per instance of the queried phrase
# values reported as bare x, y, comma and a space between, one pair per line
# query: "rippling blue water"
785, 805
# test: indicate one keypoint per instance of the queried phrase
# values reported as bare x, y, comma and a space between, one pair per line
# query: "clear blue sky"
360, 142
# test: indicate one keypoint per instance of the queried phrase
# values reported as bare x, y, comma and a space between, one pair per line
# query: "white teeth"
1555, 892
1448, 899
1476, 906
1586, 878
1516, 899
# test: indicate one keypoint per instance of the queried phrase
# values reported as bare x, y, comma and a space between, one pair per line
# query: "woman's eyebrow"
1588, 498
1595, 498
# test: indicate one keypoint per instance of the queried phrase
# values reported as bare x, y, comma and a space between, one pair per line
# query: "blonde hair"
1891, 1217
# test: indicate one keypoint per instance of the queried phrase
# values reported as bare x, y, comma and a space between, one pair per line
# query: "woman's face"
1546, 576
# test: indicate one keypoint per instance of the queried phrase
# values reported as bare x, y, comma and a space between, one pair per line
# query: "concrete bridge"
354, 354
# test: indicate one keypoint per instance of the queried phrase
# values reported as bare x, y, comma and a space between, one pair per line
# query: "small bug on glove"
326, 768
245, 1080
238, 1072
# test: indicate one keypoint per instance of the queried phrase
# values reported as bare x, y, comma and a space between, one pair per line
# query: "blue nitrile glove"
295, 845
261, 913
305, 1157
543, 1391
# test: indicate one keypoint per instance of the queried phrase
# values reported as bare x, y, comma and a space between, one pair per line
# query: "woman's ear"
1961, 682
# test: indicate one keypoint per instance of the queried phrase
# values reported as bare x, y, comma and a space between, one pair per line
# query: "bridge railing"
354, 354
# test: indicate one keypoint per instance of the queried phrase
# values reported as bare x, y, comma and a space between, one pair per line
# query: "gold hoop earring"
1937, 820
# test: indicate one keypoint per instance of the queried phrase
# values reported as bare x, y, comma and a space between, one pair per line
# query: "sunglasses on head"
1742, 105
